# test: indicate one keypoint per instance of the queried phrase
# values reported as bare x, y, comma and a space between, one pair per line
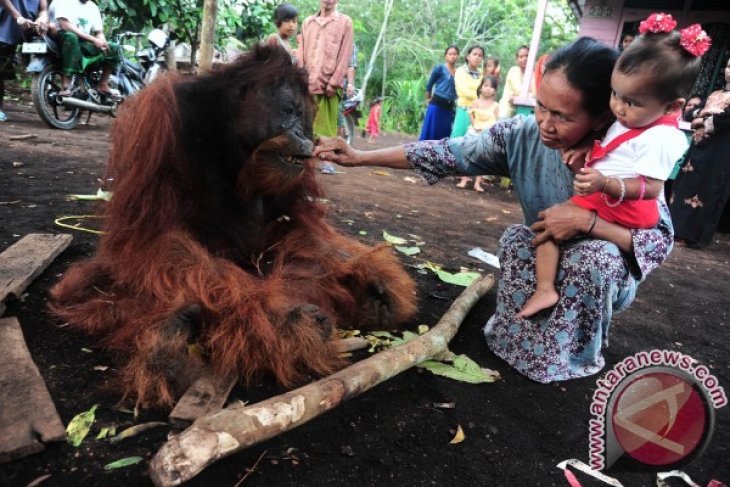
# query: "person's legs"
111, 61
3, 117
341, 119
547, 257
325, 121
7, 72
71, 56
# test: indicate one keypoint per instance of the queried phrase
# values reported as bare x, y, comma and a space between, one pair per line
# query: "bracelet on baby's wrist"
620, 199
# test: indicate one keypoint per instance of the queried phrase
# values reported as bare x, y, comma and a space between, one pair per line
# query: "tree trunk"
388, 7
220, 434
385, 66
207, 37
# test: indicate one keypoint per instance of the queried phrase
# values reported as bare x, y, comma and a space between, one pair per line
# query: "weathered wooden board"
28, 417
25, 260
206, 395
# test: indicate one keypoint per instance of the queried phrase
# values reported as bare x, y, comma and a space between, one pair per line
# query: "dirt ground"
516, 430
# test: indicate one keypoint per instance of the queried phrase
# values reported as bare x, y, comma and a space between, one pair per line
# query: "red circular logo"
659, 418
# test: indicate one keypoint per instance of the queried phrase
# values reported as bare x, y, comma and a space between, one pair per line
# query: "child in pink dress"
625, 174
373, 125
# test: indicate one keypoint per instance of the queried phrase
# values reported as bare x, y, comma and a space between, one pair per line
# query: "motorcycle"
152, 58
351, 112
64, 112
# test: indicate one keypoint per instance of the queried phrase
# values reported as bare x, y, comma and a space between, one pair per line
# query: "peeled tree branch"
217, 435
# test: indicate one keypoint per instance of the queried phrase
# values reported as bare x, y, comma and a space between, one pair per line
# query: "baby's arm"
589, 181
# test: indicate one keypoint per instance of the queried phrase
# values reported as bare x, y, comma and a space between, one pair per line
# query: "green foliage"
184, 17
405, 107
417, 34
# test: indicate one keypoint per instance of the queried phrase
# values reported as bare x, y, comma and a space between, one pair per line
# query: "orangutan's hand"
560, 223
336, 150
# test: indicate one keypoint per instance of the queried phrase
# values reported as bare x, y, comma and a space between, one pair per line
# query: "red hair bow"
656, 23
695, 40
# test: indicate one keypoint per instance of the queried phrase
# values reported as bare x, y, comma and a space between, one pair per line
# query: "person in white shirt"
82, 41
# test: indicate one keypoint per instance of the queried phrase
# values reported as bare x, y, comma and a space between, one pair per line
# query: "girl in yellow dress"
483, 113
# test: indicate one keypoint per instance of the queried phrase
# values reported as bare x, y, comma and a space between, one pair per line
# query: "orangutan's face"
283, 127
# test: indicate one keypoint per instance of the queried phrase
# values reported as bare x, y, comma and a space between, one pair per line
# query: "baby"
625, 173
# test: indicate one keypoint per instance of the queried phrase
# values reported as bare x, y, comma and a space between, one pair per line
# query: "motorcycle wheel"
43, 88
349, 128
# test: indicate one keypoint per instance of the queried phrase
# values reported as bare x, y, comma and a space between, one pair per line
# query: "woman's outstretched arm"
338, 151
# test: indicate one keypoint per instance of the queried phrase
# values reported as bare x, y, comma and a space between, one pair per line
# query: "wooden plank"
28, 417
25, 260
206, 395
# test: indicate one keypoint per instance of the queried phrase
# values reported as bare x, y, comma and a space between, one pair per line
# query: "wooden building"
610, 20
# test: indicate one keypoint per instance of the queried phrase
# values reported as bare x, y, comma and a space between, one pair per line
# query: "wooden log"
28, 417
349, 344
206, 395
25, 260
220, 434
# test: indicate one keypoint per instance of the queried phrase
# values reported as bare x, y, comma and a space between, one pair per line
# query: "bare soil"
516, 430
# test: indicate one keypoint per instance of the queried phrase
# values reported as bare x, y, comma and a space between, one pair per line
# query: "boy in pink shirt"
325, 47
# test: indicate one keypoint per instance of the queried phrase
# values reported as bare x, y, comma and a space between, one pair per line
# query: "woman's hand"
336, 149
588, 181
560, 223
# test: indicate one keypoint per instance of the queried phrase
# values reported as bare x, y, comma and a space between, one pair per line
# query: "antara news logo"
657, 407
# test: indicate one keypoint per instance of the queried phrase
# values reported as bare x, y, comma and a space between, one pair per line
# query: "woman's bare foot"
463, 182
542, 299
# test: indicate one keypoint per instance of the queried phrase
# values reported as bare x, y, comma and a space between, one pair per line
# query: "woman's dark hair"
492, 81
671, 67
471, 48
284, 12
452, 46
517, 52
587, 64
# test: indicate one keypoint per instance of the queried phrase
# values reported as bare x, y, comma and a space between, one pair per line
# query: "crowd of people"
595, 217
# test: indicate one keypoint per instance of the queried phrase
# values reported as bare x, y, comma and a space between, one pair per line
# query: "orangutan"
215, 236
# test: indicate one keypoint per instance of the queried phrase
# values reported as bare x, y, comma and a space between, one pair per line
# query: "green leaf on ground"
393, 239
408, 250
79, 426
459, 279
463, 369
123, 462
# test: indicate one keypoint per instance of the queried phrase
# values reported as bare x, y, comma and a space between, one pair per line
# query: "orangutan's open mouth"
298, 160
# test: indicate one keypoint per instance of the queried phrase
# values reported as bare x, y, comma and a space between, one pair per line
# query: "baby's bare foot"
542, 299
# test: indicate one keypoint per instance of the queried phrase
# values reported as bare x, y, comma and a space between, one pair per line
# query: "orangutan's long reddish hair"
215, 237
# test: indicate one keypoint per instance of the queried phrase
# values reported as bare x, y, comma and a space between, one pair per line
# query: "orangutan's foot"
542, 299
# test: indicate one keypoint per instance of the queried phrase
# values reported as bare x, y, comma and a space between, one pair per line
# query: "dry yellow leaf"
458, 437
